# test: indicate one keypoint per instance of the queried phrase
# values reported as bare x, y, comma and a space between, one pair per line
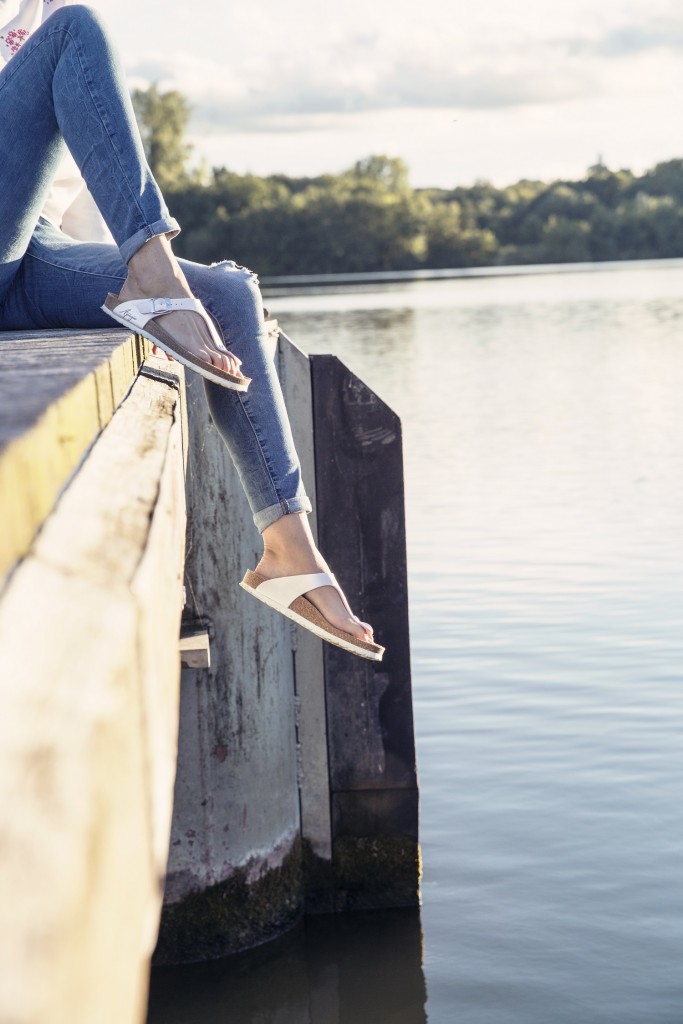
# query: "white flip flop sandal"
285, 595
139, 315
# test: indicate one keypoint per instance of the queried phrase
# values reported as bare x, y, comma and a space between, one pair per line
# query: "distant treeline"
370, 218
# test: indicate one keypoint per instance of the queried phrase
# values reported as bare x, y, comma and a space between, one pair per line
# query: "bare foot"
154, 272
291, 551
326, 599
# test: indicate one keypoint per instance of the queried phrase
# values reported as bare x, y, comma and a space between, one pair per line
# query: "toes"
234, 364
365, 626
198, 338
225, 361
327, 601
224, 358
363, 630
156, 351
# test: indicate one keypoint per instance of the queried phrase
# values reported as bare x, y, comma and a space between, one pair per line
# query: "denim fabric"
65, 86
62, 283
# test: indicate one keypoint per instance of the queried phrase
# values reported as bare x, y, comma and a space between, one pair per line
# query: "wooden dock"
92, 459
123, 521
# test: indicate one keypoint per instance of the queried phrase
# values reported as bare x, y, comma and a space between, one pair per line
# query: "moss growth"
365, 874
232, 915
375, 873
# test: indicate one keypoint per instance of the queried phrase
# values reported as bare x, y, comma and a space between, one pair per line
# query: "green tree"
370, 218
162, 118
665, 179
565, 240
451, 245
384, 170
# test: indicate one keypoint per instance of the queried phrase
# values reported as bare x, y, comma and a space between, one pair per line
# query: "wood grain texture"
314, 784
89, 675
58, 390
361, 526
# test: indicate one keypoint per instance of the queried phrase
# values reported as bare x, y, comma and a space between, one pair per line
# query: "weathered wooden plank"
37, 369
314, 786
57, 391
157, 587
75, 846
361, 523
89, 689
361, 526
375, 812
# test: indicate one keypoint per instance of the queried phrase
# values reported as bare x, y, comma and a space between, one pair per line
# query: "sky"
494, 90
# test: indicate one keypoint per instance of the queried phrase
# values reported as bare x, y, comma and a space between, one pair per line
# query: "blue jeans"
65, 86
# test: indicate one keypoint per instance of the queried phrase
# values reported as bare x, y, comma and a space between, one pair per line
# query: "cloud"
630, 40
459, 90
307, 76
359, 75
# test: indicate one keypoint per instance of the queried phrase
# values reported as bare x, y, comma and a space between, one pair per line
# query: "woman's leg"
60, 283
65, 85
256, 430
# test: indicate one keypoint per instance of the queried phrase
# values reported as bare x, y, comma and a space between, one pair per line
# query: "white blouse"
69, 204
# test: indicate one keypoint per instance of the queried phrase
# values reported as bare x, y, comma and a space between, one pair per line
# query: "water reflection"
363, 968
383, 331
544, 492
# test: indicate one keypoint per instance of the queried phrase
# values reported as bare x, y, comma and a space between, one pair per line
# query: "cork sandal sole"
157, 334
303, 612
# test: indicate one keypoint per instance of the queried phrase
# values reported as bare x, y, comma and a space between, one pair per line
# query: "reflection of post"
361, 528
366, 967
339, 969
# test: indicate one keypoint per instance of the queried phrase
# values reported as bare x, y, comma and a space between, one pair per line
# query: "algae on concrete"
232, 915
364, 874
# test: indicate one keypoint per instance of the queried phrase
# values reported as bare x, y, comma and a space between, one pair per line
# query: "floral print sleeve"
19, 18
14, 38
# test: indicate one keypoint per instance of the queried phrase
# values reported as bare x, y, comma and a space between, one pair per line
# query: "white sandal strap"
285, 589
138, 312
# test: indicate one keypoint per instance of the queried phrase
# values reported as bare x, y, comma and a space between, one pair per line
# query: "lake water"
543, 432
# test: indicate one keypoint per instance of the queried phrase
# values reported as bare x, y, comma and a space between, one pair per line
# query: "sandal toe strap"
138, 313
286, 589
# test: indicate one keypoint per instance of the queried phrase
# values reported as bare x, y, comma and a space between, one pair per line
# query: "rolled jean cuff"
165, 226
285, 507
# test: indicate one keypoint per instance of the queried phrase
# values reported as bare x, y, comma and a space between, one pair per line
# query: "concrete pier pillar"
296, 786
234, 872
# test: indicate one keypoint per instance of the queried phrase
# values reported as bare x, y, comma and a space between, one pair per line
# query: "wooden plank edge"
35, 467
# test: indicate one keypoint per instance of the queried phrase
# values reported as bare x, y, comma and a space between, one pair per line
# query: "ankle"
290, 563
289, 548
154, 270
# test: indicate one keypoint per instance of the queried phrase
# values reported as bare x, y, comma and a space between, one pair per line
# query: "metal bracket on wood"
194, 649
164, 376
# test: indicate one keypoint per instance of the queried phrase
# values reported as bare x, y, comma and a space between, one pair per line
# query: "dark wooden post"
371, 753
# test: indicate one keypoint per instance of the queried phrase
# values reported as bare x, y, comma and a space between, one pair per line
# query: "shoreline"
449, 274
